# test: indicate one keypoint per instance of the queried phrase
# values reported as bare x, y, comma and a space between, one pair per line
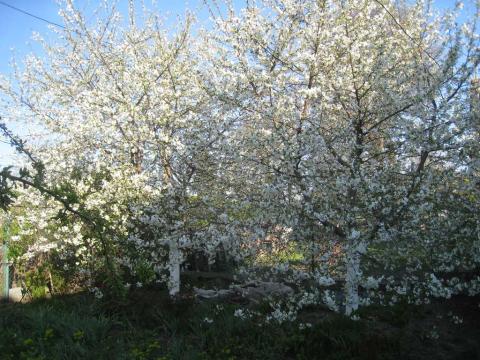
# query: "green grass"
149, 326
59, 329
291, 255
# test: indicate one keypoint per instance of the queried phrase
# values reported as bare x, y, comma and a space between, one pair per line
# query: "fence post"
5, 273
5, 266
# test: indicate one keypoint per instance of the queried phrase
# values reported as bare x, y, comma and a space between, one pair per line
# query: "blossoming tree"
354, 110
129, 130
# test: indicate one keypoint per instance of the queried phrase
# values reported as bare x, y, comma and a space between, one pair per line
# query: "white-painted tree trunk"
355, 249
174, 261
352, 280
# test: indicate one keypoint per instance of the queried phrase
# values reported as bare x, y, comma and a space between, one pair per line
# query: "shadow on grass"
147, 325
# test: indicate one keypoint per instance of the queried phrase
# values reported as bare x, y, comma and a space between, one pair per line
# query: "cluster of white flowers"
207, 320
279, 315
371, 283
96, 292
437, 289
324, 280
303, 326
457, 320
243, 314
329, 300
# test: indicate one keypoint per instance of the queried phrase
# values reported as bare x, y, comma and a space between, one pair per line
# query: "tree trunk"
352, 279
174, 261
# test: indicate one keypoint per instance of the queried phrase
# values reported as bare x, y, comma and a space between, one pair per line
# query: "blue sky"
16, 28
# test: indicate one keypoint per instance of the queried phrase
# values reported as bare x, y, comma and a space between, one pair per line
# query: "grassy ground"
148, 326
